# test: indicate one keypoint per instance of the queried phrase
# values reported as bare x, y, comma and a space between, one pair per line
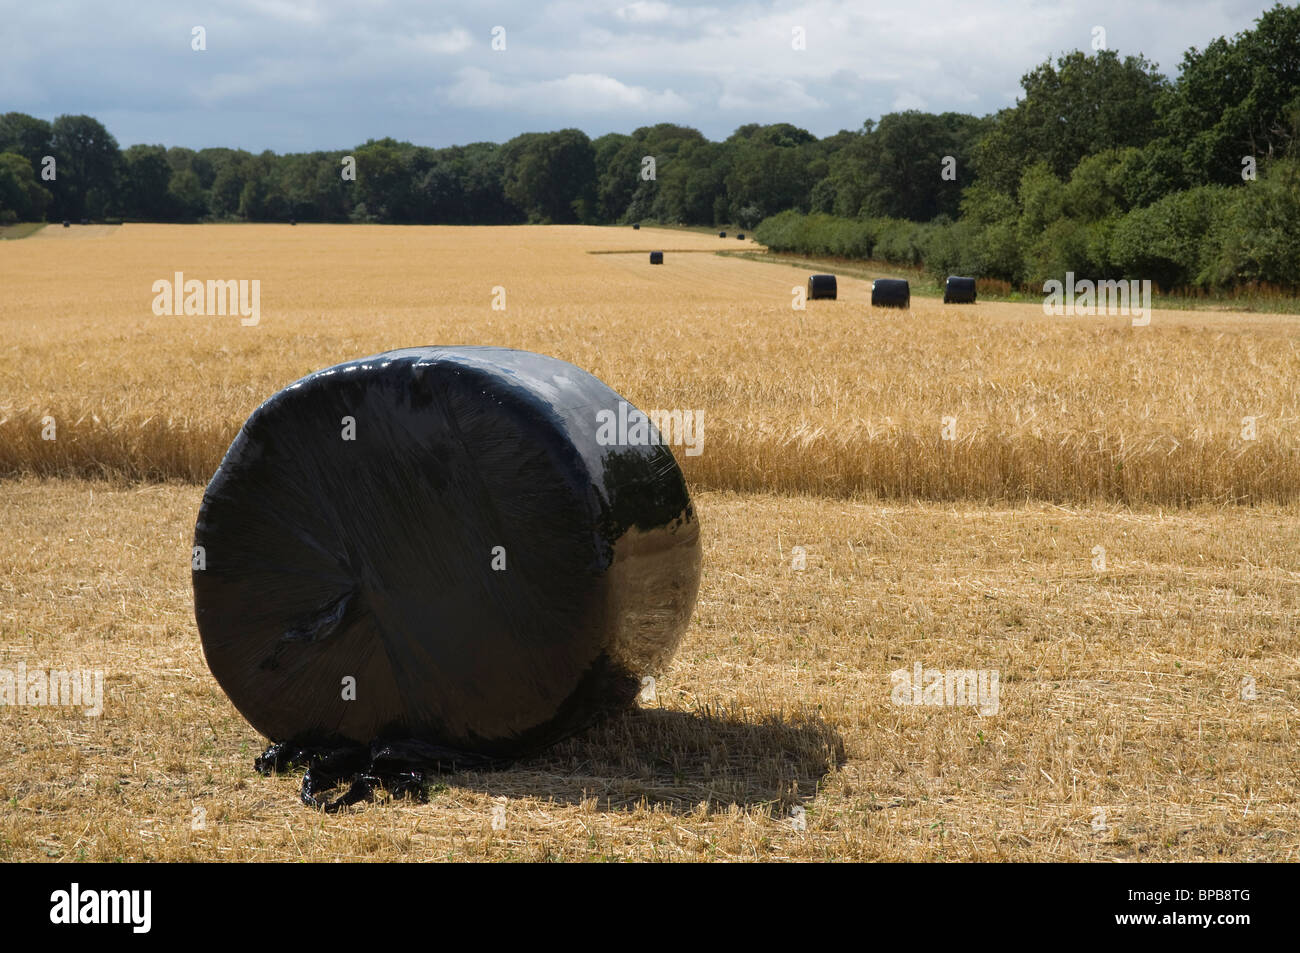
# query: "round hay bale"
435, 546
740, 236
656, 258
890, 293
722, 234
958, 290
67, 224
636, 225
821, 286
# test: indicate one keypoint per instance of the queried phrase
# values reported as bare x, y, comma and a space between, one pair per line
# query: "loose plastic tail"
400, 768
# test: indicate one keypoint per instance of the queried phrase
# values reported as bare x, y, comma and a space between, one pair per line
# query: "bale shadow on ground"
675, 760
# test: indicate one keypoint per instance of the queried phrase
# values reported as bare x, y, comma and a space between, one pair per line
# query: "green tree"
552, 176
1238, 97
383, 183
900, 168
188, 199
1175, 242
22, 197
26, 135
145, 184
623, 193
228, 182
88, 166
1078, 107
263, 197
613, 186
476, 175
769, 171
1261, 239
693, 182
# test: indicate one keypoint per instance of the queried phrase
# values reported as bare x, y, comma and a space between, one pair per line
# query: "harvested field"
1104, 532
1122, 732
840, 400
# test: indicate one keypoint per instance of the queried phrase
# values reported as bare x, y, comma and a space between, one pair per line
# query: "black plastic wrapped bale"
66, 223
722, 234
636, 225
740, 236
656, 258
890, 293
442, 549
821, 286
958, 290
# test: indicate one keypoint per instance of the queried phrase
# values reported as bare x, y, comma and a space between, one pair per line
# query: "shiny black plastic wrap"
431, 550
959, 290
821, 286
890, 293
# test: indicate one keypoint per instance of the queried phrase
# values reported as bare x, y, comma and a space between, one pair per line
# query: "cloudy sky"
294, 75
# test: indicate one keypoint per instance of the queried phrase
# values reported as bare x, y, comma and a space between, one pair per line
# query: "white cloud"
645, 12
451, 41
254, 81
294, 11
584, 92
907, 100
653, 12
767, 94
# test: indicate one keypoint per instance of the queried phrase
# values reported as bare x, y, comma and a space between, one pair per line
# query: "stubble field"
1100, 532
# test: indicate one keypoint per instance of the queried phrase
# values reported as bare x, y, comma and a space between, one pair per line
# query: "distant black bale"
722, 234
656, 258
66, 223
821, 286
958, 290
740, 236
890, 293
293, 221
636, 224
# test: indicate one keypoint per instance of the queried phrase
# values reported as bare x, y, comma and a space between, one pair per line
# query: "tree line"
667, 173
1104, 166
